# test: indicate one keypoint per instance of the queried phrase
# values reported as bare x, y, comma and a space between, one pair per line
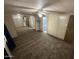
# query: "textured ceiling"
34, 5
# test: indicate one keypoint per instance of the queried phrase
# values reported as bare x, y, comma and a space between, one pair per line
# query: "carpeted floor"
39, 45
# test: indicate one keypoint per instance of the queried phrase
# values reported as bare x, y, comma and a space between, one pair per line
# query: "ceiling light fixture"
18, 15
39, 14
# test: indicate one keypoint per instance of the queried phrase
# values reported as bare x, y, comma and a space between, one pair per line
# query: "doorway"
44, 23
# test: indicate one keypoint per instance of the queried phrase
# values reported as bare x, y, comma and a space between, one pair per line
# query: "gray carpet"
38, 45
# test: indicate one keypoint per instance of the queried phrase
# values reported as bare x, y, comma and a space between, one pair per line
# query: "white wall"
25, 21
37, 24
18, 20
10, 25
32, 21
57, 24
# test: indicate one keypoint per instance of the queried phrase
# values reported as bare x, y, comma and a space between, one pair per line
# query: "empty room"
39, 29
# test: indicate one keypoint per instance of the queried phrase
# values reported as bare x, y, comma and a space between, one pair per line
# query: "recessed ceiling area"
35, 5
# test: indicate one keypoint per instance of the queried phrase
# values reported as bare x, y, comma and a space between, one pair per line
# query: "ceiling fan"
40, 12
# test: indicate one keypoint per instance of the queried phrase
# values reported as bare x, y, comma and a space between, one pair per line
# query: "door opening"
44, 23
